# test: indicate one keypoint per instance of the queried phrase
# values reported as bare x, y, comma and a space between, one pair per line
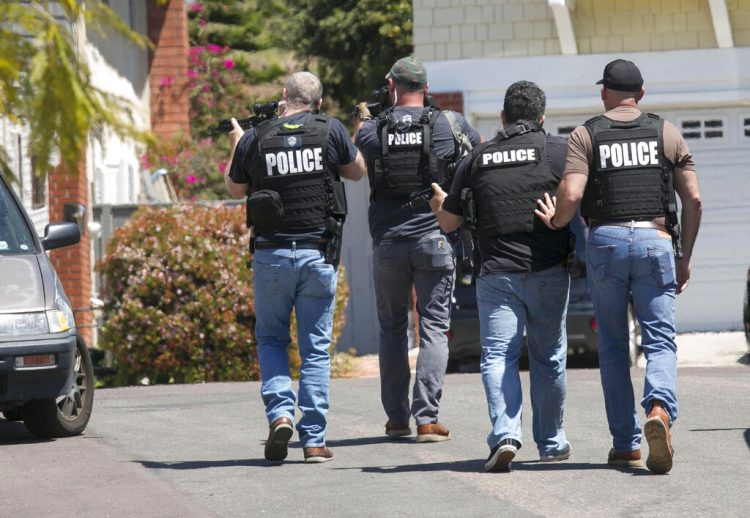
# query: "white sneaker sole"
501, 460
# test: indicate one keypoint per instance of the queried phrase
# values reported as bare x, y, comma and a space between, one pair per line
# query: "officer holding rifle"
290, 168
407, 147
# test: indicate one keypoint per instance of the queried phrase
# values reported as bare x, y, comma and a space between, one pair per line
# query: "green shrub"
180, 306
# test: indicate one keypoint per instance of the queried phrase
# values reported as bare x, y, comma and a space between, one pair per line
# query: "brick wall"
73, 263
642, 25
167, 29
450, 101
464, 29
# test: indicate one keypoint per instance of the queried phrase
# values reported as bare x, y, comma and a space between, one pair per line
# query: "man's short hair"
303, 90
524, 101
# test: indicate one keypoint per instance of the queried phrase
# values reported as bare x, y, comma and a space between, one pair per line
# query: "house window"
565, 131
746, 126
707, 128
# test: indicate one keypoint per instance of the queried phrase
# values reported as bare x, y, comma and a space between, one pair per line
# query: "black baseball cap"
621, 75
409, 71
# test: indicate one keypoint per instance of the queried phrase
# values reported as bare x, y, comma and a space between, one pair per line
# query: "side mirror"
57, 235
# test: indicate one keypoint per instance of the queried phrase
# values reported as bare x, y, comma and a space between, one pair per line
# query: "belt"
629, 224
296, 245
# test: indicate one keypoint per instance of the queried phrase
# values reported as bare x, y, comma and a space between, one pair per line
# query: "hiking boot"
630, 459
279, 434
563, 454
317, 454
656, 430
396, 431
433, 432
501, 456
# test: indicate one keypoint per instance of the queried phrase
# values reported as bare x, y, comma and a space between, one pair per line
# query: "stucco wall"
739, 16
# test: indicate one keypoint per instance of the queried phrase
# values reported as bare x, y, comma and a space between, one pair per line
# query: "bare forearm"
569, 194
690, 222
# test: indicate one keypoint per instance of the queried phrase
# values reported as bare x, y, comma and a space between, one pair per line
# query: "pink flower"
214, 49
191, 179
196, 7
145, 163
166, 81
202, 22
228, 64
222, 166
194, 51
192, 73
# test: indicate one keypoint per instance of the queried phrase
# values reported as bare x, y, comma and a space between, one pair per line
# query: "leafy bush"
180, 305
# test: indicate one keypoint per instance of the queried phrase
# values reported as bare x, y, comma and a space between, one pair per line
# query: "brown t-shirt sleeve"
676, 149
580, 152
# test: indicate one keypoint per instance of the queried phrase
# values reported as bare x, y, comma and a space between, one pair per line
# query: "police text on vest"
628, 154
405, 139
296, 161
509, 156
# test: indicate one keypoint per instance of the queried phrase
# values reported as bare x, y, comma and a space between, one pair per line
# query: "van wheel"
634, 337
68, 414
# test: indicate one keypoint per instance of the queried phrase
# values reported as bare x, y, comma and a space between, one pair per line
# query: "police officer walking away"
290, 167
624, 168
407, 147
523, 282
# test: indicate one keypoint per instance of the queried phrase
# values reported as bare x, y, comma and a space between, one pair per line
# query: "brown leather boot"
279, 434
397, 430
433, 432
631, 459
656, 430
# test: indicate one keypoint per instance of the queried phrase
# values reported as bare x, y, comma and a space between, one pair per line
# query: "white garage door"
720, 143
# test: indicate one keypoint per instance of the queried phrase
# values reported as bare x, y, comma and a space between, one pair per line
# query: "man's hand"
362, 112
436, 202
682, 267
236, 134
546, 210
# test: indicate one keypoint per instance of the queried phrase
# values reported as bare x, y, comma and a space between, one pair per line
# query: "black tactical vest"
507, 175
292, 161
630, 178
407, 160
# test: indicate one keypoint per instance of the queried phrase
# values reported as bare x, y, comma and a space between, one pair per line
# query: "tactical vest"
292, 161
507, 175
630, 178
407, 161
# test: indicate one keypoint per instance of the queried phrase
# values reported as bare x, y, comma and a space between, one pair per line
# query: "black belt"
298, 245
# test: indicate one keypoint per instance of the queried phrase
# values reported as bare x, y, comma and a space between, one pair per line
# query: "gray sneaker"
564, 454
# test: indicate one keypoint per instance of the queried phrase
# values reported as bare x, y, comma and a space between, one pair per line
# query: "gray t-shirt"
388, 221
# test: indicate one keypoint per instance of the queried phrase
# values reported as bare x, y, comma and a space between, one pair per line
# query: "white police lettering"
411, 138
509, 156
296, 161
628, 154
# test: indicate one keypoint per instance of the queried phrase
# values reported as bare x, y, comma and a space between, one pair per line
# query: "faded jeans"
427, 264
638, 261
300, 279
538, 302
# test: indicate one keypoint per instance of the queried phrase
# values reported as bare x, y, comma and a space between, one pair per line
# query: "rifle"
263, 112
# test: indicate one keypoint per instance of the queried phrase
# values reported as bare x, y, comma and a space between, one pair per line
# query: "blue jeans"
538, 302
638, 261
427, 264
284, 279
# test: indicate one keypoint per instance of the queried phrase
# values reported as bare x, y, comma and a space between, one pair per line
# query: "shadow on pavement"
477, 466
14, 432
362, 441
203, 464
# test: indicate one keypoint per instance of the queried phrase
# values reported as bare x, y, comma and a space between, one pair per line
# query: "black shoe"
501, 456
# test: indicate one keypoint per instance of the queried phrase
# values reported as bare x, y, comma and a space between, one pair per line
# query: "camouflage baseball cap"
409, 72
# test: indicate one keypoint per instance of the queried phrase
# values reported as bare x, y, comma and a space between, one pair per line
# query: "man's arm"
447, 220
238, 190
686, 185
558, 210
355, 169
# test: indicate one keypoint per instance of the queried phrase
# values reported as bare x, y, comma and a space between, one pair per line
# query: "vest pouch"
265, 209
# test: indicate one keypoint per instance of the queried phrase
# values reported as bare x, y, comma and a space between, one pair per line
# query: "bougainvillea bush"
180, 308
